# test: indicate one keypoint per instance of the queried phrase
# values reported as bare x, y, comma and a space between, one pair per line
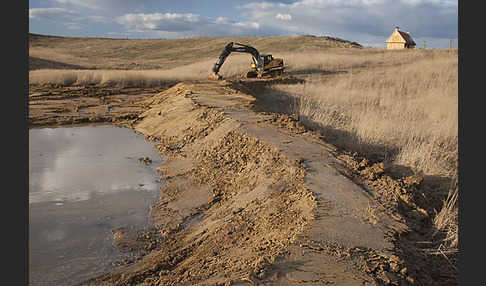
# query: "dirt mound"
413, 200
231, 203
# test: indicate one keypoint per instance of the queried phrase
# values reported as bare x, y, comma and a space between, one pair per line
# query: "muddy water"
83, 182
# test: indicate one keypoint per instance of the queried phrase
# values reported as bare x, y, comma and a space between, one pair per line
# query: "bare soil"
253, 197
60, 105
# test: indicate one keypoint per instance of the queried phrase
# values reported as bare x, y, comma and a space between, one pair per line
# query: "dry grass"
131, 78
105, 53
446, 221
234, 66
404, 112
401, 107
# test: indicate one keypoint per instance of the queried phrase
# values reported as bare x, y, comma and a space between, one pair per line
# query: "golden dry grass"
105, 53
235, 66
447, 220
403, 109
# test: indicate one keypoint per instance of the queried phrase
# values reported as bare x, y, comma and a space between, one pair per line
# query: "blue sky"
368, 22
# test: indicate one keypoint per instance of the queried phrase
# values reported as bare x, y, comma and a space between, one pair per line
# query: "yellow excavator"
263, 65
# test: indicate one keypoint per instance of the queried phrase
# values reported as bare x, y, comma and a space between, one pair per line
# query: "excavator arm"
235, 47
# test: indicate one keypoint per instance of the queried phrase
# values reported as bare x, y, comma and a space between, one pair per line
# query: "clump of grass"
446, 221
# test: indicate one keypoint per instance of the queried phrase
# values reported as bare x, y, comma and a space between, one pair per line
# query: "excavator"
262, 65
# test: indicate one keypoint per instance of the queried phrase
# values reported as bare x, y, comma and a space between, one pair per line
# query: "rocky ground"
253, 197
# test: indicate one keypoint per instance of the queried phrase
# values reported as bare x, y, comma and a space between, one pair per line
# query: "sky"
368, 22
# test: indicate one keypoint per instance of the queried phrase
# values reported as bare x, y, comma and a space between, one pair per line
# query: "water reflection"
68, 164
84, 182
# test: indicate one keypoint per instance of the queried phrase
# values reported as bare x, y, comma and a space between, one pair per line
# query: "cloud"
104, 4
88, 4
70, 20
363, 21
49, 13
182, 25
98, 19
171, 22
284, 17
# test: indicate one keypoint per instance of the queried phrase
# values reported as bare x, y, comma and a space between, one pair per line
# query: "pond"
84, 182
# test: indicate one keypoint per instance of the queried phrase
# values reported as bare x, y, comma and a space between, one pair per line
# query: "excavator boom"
234, 47
261, 63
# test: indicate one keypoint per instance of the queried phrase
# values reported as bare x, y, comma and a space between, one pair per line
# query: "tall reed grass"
235, 66
404, 112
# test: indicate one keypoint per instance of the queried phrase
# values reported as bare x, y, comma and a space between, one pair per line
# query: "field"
393, 109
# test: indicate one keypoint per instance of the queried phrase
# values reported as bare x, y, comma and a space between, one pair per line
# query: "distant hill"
108, 53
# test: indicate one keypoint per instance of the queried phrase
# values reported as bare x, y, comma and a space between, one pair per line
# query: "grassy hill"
106, 53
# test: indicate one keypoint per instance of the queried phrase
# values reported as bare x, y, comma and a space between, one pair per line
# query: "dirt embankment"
231, 203
255, 198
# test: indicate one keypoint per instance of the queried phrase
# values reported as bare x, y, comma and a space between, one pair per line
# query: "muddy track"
255, 198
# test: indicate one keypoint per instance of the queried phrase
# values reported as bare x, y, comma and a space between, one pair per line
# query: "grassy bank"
404, 112
397, 107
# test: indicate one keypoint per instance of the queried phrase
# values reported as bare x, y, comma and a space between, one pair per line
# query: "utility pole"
424, 45
451, 45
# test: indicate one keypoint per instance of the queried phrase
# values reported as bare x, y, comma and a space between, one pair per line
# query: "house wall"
395, 46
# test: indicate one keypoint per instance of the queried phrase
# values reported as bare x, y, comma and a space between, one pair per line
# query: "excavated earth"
252, 197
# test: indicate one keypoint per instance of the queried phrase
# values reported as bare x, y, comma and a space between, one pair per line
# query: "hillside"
105, 53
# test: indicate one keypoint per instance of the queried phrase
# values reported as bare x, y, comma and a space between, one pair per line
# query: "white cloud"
253, 25
72, 20
49, 13
221, 20
171, 22
284, 17
98, 19
362, 21
73, 26
182, 25
90, 4
431, 2
111, 6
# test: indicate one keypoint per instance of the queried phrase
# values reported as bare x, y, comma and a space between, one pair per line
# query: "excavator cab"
262, 62
266, 59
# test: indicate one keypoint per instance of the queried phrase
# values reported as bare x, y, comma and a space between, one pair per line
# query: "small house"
399, 40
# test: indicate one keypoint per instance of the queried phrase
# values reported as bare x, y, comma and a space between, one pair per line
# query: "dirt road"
252, 198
